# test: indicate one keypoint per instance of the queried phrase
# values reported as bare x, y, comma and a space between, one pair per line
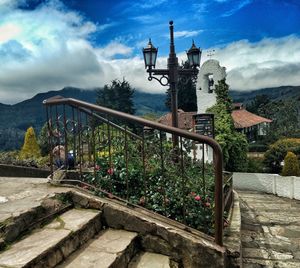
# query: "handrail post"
219, 197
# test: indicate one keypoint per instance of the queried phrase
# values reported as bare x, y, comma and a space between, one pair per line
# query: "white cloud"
49, 48
150, 4
112, 49
236, 7
185, 34
268, 63
8, 31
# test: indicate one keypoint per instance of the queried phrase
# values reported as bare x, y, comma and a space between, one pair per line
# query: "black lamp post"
170, 76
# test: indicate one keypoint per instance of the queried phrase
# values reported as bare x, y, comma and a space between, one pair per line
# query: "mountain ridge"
16, 118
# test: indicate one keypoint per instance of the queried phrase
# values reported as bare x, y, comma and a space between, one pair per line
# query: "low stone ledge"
232, 235
20, 171
190, 249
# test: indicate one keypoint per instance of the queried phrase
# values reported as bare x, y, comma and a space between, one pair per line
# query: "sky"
49, 44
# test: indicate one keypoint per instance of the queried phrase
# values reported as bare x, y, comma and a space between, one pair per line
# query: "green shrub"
255, 165
234, 144
278, 150
30, 148
258, 147
291, 165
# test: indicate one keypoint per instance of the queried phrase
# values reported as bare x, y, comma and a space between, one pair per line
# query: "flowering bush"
175, 189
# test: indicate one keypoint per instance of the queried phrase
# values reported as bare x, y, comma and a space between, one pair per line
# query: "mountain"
275, 94
15, 119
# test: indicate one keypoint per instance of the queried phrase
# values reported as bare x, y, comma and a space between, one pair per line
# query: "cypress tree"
30, 147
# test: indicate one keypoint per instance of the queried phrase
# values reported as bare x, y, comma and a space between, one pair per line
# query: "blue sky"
46, 45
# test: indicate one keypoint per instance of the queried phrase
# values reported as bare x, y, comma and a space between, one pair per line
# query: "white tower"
209, 75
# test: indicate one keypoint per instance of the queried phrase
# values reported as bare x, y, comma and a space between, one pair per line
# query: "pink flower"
207, 204
110, 171
197, 197
97, 167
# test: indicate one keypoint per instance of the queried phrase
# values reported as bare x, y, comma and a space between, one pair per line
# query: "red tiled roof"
185, 119
242, 119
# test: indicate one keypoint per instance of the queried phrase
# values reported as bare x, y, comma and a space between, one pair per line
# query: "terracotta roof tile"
242, 118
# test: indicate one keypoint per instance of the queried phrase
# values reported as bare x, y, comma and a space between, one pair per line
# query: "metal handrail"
217, 151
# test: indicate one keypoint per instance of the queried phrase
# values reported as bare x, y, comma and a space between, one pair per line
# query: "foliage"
117, 96
257, 147
30, 147
186, 94
284, 113
43, 140
291, 165
160, 185
13, 158
151, 116
222, 96
234, 144
255, 165
258, 103
278, 150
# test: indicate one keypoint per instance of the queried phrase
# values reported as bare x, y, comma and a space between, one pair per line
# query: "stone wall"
268, 183
232, 235
19, 171
158, 234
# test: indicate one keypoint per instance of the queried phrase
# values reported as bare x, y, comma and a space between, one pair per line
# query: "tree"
43, 140
284, 113
259, 102
285, 116
186, 94
30, 148
291, 165
278, 150
234, 144
117, 96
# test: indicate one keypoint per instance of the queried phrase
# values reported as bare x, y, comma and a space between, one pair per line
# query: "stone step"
152, 260
21, 217
111, 248
47, 246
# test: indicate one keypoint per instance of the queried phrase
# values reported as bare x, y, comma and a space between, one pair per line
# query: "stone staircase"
77, 238
42, 225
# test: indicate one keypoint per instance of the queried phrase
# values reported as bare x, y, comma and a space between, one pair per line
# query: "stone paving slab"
270, 230
18, 195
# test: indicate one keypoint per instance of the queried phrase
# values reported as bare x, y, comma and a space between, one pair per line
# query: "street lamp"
170, 76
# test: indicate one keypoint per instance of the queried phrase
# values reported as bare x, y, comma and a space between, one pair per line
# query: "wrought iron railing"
134, 159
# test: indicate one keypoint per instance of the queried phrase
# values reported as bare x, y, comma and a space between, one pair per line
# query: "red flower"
197, 197
97, 167
110, 171
207, 204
